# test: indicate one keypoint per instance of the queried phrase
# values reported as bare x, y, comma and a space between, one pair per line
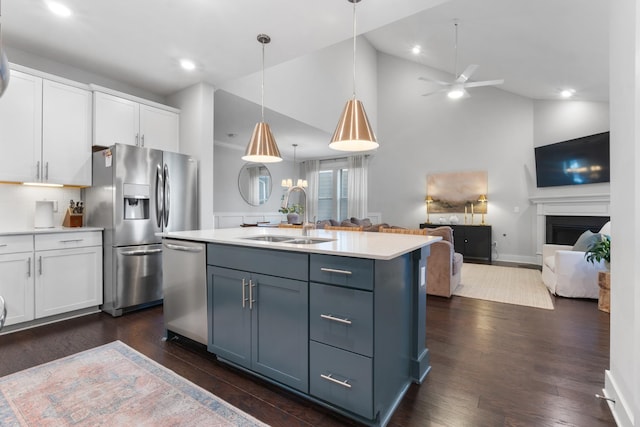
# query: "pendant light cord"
262, 85
354, 49
455, 48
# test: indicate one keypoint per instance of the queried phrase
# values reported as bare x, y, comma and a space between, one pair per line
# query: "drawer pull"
141, 252
336, 319
333, 270
329, 377
71, 240
3, 245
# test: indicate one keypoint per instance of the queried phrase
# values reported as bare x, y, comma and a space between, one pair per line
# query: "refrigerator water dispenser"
136, 201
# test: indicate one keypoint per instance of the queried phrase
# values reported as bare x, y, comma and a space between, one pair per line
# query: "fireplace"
565, 229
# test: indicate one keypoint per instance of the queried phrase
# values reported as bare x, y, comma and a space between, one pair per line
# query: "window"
332, 190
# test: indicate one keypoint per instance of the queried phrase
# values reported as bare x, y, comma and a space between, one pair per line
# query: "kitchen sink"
269, 238
289, 239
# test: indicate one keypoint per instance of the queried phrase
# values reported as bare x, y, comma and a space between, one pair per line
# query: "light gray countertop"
372, 245
48, 230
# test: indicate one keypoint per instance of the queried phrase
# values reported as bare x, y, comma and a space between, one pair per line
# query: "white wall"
18, 205
196, 138
491, 131
622, 381
314, 88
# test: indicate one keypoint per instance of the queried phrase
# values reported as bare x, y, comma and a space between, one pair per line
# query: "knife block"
72, 219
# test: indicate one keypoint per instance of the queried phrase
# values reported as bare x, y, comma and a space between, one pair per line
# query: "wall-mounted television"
577, 161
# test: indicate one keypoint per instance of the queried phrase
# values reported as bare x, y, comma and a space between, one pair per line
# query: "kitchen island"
336, 317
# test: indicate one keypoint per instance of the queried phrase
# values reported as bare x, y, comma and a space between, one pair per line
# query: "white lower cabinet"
50, 274
16, 285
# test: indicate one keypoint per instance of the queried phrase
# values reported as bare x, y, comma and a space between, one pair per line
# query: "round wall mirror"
254, 183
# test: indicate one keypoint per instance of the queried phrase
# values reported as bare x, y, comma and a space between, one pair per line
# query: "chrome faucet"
306, 226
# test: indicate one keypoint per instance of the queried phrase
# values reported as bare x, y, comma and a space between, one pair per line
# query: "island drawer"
342, 378
343, 271
293, 265
16, 243
342, 317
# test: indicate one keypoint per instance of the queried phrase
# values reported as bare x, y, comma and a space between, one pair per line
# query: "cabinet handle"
142, 140
40, 265
137, 138
29, 267
251, 300
335, 319
70, 240
46, 171
141, 252
38, 170
244, 298
333, 270
329, 377
3, 245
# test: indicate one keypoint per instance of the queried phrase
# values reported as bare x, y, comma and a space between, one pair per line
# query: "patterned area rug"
511, 285
111, 385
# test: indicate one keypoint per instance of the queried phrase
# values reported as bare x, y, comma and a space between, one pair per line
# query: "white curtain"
357, 186
311, 169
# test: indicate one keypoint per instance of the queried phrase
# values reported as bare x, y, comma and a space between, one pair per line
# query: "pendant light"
4, 63
262, 147
353, 132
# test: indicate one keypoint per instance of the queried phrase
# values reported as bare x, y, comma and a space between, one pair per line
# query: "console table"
472, 241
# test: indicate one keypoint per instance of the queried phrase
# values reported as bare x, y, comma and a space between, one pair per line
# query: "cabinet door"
66, 134
159, 128
478, 242
231, 317
280, 330
16, 286
68, 279
116, 120
21, 128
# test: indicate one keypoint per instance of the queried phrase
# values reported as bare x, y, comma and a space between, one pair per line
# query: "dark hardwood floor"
492, 365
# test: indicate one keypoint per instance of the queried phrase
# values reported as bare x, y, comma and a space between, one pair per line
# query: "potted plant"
600, 250
293, 213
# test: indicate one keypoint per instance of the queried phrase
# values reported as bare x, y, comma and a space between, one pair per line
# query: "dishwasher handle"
194, 249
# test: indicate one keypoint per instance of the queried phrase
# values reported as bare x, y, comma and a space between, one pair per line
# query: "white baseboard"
619, 406
519, 259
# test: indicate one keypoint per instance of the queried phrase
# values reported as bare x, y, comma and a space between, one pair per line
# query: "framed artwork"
453, 191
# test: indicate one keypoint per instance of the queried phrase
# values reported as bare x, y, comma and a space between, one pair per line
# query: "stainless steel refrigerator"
136, 193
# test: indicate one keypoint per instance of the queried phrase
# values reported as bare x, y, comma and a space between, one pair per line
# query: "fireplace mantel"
577, 205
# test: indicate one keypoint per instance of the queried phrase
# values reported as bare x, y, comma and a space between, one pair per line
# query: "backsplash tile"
18, 204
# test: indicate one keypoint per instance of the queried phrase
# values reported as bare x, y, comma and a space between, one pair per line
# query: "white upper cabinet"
66, 134
45, 132
21, 128
125, 121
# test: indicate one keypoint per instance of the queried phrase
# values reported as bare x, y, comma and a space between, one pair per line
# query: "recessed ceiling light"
416, 49
187, 64
567, 93
59, 9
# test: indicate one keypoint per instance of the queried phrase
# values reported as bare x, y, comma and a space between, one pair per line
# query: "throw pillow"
322, 224
585, 240
366, 222
347, 223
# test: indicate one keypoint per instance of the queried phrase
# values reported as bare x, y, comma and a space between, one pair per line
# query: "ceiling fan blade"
444, 89
466, 74
484, 83
440, 82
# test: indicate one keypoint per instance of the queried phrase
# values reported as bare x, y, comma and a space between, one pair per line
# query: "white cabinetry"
68, 272
16, 277
125, 121
45, 131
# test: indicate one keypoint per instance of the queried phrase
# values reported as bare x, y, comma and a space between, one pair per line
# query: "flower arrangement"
600, 250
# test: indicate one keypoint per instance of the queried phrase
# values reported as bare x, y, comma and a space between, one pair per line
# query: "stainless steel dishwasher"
184, 284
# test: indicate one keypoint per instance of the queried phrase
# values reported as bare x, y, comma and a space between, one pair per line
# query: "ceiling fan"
457, 88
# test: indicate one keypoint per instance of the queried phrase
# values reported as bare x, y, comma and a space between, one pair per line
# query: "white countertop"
370, 245
48, 230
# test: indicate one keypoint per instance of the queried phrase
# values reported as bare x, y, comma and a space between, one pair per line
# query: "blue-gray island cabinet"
347, 332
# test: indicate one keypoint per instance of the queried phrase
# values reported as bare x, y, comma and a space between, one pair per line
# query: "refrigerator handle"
167, 194
159, 196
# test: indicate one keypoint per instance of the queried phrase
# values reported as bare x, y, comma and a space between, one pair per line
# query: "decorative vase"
293, 218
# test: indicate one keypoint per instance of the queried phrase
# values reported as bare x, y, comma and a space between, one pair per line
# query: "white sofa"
567, 273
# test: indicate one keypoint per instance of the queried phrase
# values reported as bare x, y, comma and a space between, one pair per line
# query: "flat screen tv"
577, 161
